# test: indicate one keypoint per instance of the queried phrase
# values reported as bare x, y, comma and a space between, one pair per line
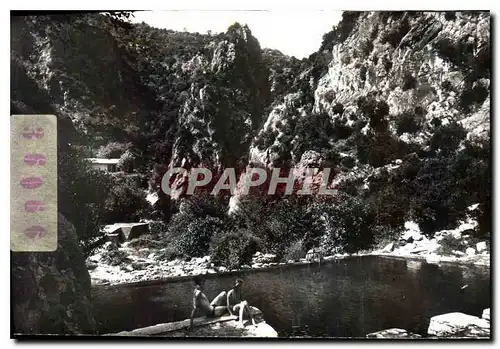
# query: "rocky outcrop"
393, 333
51, 290
446, 246
459, 325
486, 314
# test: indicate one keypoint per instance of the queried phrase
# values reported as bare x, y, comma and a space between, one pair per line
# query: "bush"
394, 35
127, 162
112, 150
294, 252
158, 228
125, 203
194, 240
379, 149
409, 82
233, 249
406, 122
473, 95
82, 192
375, 111
115, 257
338, 108
447, 138
148, 240
449, 244
351, 225
348, 162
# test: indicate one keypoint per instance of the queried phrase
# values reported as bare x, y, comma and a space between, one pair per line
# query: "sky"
295, 33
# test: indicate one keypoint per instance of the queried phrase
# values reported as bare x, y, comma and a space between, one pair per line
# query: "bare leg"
249, 312
242, 310
219, 300
220, 311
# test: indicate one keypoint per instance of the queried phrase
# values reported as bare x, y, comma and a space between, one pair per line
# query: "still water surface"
343, 298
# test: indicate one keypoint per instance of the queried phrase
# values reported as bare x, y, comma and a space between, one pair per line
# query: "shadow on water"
343, 298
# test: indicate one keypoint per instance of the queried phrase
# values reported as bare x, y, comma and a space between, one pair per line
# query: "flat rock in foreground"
459, 325
393, 333
225, 326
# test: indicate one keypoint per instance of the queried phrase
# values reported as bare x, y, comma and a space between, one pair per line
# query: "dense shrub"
362, 73
409, 82
294, 252
112, 150
350, 223
394, 35
234, 248
447, 138
449, 244
158, 228
338, 108
473, 95
82, 192
341, 32
194, 240
407, 122
348, 162
378, 149
125, 203
115, 257
375, 110
127, 162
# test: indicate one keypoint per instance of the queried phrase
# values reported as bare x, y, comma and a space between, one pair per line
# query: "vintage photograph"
251, 174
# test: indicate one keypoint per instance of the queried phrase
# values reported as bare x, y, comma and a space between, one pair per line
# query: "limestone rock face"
51, 290
458, 325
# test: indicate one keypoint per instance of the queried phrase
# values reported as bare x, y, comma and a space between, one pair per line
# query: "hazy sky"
295, 33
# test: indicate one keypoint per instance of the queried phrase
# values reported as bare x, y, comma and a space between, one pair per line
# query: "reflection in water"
344, 298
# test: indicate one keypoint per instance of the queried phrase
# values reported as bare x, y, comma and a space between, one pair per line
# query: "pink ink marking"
35, 231
34, 205
34, 159
31, 182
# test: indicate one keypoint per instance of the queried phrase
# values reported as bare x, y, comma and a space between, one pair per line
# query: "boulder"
481, 246
314, 254
393, 333
91, 265
51, 290
486, 314
470, 251
412, 233
388, 248
458, 325
264, 258
129, 231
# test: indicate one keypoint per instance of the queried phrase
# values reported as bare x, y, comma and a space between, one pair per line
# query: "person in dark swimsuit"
216, 308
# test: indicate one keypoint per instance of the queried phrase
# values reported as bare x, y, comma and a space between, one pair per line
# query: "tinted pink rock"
31, 182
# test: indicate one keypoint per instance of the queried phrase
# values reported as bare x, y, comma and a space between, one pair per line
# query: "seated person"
236, 304
201, 303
